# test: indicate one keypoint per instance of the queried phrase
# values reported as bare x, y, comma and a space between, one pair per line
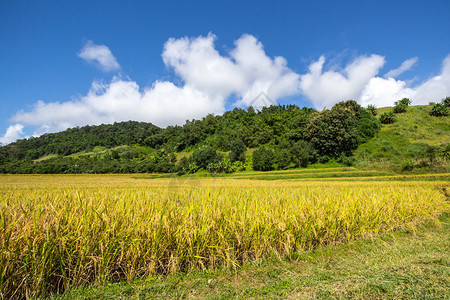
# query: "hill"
277, 137
415, 141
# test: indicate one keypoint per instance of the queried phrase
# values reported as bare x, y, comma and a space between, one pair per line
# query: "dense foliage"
263, 159
299, 136
401, 106
441, 109
373, 109
387, 118
340, 130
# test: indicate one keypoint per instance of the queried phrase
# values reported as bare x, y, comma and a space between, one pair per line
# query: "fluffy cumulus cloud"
13, 133
246, 72
208, 77
99, 55
325, 88
384, 91
359, 80
434, 88
162, 104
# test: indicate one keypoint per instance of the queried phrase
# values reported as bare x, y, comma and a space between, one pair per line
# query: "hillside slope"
294, 136
413, 141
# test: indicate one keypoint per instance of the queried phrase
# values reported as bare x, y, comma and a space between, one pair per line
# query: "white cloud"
325, 88
100, 55
359, 81
246, 72
162, 104
435, 88
405, 66
209, 79
384, 92
13, 133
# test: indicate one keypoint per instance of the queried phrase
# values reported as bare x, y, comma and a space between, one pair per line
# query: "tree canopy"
299, 136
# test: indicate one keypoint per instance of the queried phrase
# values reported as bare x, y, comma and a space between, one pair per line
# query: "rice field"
63, 231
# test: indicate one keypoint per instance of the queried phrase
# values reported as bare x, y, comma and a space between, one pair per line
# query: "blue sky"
72, 63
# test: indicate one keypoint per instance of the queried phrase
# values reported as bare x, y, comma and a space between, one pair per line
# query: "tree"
263, 159
283, 158
203, 157
302, 154
337, 131
237, 151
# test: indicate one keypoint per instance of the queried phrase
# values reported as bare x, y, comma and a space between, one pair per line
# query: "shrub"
387, 118
324, 159
373, 109
439, 110
407, 166
446, 101
223, 166
404, 101
238, 166
400, 108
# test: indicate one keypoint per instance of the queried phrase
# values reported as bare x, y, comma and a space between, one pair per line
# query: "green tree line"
283, 136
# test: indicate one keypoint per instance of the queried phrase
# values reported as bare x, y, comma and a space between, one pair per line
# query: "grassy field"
407, 140
58, 232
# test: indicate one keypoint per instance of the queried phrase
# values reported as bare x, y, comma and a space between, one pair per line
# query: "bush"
324, 159
404, 101
263, 159
407, 166
387, 118
439, 110
373, 109
223, 166
446, 101
347, 160
238, 166
400, 108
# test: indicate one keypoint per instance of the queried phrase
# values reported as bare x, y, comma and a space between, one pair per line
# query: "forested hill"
299, 135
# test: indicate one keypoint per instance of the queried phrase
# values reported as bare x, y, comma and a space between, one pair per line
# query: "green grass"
323, 174
406, 139
50, 156
404, 265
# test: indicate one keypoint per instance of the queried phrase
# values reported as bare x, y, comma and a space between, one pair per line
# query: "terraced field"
58, 232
